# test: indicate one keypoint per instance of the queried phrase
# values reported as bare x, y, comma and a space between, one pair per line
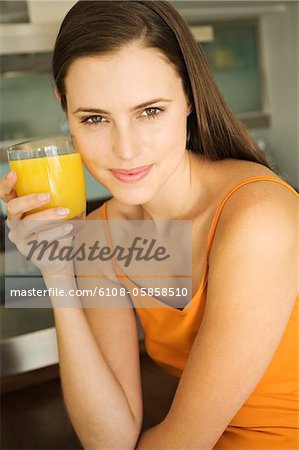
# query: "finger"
7, 186
43, 242
33, 223
19, 205
56, 233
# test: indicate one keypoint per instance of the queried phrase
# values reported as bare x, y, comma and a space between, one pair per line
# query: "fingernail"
10, 175
68, 227
43, 197
62, 211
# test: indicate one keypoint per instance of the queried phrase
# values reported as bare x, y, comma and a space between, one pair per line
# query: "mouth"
131, 175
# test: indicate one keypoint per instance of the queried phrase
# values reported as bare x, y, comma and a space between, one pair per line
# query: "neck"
184, 195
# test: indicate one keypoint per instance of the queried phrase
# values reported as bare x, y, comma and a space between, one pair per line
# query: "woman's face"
128, 110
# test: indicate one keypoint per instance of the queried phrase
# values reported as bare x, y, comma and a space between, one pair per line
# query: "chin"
133, 198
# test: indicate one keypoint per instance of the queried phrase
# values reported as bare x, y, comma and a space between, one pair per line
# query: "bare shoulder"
255, 195
254, 204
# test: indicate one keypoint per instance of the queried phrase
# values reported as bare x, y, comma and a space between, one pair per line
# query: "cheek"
173, 134
88, 142
90, 152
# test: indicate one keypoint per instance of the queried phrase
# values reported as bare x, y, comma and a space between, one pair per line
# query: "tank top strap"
104, 211
104, 216
233, 189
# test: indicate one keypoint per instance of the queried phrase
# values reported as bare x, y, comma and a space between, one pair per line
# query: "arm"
100, 369
95, 399
99, 358
251, 293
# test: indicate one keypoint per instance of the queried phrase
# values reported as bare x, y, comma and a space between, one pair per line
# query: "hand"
40, 226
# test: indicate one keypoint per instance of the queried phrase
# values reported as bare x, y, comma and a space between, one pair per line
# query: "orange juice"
60, 175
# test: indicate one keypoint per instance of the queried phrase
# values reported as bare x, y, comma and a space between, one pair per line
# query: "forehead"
133, 72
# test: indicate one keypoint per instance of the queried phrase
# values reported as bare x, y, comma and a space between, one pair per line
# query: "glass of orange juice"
51, 165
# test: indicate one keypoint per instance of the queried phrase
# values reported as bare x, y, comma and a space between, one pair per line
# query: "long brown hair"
103, 27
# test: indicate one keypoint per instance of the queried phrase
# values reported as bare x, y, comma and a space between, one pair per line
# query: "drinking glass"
53, 165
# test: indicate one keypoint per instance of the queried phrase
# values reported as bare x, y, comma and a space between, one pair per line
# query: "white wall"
279, 38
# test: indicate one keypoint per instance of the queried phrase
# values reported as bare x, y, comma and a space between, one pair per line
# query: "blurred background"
252, 50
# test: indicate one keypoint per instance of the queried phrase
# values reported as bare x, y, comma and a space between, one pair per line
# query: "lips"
131, 175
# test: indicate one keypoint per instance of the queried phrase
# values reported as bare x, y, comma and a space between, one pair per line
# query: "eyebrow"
134, 108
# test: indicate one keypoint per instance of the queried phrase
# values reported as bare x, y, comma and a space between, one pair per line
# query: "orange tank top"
269, 417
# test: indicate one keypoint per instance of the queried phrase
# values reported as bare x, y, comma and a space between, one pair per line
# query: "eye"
92, 120
152, 112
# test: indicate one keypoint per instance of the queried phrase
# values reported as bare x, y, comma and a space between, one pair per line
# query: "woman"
152, 127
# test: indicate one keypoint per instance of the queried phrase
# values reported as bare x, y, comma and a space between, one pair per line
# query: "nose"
125, 143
